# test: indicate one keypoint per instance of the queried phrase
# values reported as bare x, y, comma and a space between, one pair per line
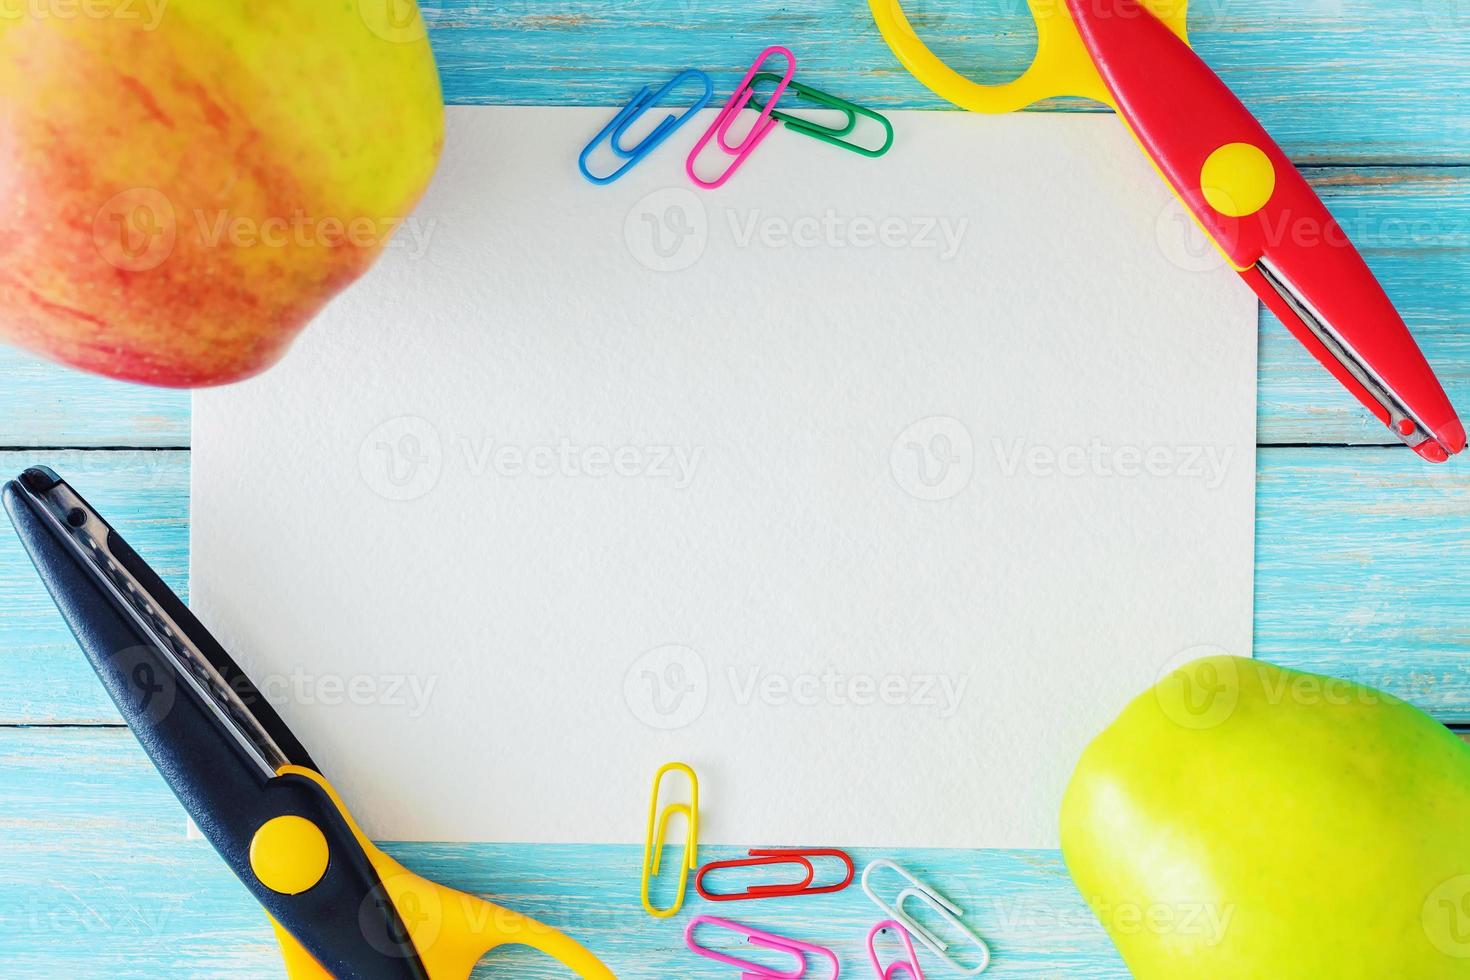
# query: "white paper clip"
947, 910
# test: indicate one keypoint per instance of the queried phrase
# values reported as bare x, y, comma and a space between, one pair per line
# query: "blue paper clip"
646, 98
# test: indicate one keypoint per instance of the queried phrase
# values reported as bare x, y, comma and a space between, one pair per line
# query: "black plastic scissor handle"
345, 920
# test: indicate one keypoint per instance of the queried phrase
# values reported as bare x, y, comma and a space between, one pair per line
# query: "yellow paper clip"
658, 826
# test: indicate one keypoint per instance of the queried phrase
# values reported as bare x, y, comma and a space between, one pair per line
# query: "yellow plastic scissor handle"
451, 929
1062, 65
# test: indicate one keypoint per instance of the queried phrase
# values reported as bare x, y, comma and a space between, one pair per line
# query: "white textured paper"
871, 488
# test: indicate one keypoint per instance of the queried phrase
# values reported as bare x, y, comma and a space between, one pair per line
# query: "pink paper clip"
909, 966
739, 99
754, 971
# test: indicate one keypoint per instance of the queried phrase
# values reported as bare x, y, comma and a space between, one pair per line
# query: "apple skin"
187, 182
1245, 822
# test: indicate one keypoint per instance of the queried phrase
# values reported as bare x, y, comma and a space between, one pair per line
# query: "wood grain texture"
1413, 225
97, 881
1335, 81
44, 404
1363, 555
1362, 572
146, 495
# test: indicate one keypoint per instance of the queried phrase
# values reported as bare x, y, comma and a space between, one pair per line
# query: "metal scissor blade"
1394, 409
232, 763
200, 664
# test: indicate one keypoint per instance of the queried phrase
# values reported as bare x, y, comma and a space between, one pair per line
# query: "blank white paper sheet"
872, 489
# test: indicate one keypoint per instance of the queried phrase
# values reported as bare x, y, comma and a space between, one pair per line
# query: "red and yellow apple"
185, 183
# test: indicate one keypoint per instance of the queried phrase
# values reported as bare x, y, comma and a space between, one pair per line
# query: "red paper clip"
762, 858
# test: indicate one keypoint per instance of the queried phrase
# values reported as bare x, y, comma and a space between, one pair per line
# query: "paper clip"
754, 971
760, 858
948, 911
643, 102
738, 100
909, 966
827, 134
658, 826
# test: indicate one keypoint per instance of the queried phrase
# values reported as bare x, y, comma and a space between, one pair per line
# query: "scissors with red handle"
1240, 187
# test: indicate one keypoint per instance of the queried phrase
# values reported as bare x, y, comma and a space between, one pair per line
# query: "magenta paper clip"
754, 971
908, 966
739, 99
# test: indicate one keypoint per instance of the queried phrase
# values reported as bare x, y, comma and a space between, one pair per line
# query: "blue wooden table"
1363, 551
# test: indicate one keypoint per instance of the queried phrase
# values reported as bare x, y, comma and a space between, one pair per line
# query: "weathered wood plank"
1414, 228
97, 881
43, 679
44, 404
1362, 555
1363, 570
1334, 80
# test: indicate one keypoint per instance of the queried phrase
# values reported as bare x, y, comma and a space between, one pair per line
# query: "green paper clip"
827, 134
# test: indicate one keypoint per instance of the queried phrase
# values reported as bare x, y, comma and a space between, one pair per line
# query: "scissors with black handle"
340, 906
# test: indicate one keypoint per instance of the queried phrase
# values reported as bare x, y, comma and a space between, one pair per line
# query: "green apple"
1245, 822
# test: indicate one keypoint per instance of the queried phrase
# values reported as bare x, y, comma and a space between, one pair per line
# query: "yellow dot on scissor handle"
1238, 179
289, 854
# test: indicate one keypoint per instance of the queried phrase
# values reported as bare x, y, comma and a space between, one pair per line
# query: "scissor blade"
1357, 373
219, 747
1266, 218
201, 667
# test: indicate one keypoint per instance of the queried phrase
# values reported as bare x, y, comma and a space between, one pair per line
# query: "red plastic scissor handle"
1264, 216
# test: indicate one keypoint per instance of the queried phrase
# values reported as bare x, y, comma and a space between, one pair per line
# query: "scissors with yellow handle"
1134, 55
340, 906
